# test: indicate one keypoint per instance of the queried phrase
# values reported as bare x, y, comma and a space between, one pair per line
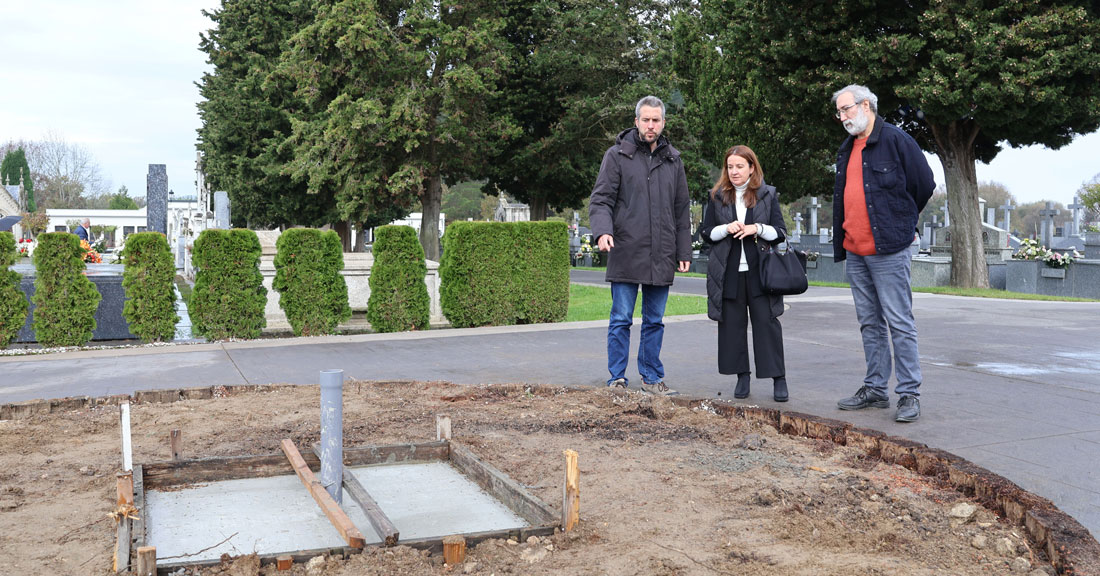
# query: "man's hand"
605, 243
684, 266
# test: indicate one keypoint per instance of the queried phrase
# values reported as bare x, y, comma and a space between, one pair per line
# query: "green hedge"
13, 303
229, 296
398, 296
311, 290
65, 300
496, 273
150, 307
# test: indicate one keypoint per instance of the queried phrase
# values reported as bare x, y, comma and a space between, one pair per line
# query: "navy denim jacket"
897, 184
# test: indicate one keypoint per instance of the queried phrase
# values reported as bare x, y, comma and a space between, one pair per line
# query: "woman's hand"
740, 231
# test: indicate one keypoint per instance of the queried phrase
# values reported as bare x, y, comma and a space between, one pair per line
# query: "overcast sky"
119, 78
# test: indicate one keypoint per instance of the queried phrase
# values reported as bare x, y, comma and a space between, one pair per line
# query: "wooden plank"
124, 425
378, 519
124, 487
175, 443
571, 492
332, 510
503, 488
298, 557
137, 526
122, 545
167, 473
146, 561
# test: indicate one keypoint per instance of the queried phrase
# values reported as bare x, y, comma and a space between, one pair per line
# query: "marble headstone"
222, 210
156, 199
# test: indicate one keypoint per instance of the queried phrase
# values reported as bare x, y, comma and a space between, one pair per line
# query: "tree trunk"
361, 238
344, 231
431, 202
956, 151
537, 206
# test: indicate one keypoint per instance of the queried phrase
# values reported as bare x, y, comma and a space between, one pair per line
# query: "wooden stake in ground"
442, 427
284, 562
454, 550
328, 505
146, 561
571, 492
174, 441
125, 487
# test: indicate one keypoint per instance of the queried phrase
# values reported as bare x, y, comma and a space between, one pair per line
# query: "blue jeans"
884, 306
623, 296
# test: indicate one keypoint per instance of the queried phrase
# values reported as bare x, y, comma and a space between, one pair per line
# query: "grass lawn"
594, 303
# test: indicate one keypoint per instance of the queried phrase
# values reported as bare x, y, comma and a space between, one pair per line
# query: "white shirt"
764, 231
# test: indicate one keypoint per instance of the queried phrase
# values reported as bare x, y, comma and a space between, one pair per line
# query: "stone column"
156, 199
814, 205
1047, 229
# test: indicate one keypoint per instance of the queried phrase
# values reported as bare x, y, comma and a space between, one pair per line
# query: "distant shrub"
495, 273
13, 303
229, 296
398, 296
311, 290
65, 300
150, 307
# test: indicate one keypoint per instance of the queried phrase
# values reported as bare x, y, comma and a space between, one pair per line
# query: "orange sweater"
857, 227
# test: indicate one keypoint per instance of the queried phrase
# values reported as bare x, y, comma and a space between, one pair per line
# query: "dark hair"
725, 189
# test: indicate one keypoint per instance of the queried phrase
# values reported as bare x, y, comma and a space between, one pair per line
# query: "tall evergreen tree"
13, 168
245, 118
580, 65
397, 97
964, 78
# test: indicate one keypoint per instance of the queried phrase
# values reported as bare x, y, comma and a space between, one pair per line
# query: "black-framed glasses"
840, 113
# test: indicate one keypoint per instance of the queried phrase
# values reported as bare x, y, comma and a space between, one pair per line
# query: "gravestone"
797, 236
1008, 208
181, 251
1047, 228
814, 205
946, 214
156, 199
221, 210
1075, 223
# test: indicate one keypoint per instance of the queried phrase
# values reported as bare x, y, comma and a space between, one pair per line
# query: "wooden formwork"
169, 474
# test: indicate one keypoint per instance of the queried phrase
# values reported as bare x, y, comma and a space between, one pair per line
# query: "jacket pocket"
885, 174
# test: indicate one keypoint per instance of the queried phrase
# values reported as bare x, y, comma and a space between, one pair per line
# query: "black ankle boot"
780, 390
742, 389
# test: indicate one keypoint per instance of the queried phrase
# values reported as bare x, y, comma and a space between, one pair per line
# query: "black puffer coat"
641, 200
727, 251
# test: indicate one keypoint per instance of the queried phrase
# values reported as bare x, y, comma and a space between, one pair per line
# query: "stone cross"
1047, 216
936, 225
797, 236
1008, 208
156, 199
1075, 223
814, 205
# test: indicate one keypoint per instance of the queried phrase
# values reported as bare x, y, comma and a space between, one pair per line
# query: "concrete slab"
277, 515
432, 500
263, 515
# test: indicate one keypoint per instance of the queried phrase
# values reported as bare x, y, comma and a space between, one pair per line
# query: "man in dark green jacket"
639, 212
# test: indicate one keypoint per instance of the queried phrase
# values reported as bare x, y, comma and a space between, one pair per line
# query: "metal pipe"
332, 432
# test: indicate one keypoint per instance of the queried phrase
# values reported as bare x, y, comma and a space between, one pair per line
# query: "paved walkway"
1013, 386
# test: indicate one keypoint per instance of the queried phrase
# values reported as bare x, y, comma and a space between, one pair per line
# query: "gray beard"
856, 126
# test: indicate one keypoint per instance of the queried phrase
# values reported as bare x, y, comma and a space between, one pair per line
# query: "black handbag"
782, 273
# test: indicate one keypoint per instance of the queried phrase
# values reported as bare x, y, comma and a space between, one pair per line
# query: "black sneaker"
908, 409
865, 397
617, 383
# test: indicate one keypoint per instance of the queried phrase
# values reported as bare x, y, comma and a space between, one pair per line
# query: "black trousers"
767, 334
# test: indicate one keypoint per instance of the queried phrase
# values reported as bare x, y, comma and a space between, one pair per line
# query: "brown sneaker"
659, 389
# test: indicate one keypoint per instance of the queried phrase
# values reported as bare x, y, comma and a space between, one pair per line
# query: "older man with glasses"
883, 181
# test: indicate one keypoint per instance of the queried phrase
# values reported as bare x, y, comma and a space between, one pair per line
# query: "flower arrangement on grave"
90, 254
25, 247
1092, 228
1030, 249
812, 256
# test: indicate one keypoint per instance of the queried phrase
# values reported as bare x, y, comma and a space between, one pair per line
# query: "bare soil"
665, 490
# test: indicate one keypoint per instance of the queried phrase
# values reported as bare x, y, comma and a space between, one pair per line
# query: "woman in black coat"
743, 213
